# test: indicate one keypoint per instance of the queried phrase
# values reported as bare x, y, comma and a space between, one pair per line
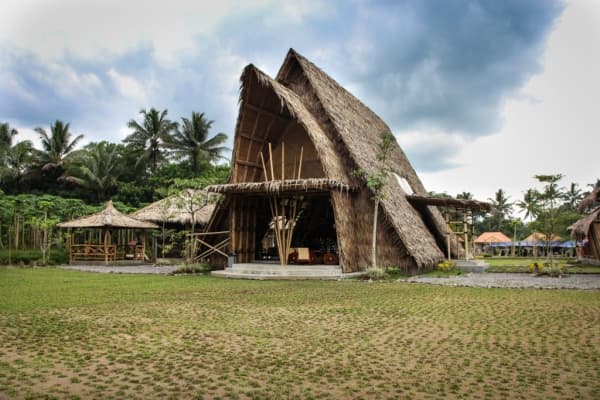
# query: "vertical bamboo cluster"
283, 210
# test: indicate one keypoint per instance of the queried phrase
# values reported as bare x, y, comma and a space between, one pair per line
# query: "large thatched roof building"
304, 114
171, 210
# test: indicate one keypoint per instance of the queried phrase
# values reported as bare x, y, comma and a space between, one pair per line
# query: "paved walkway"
506, 280
129, 269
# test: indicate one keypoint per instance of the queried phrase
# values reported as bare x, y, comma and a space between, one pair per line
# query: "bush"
446, 266
376, 274
34, 256
192, 269
548, 269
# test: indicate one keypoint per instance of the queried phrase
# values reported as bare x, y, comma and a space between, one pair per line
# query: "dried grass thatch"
492, 237
541, 237
590, 201
110, 217
167, 210
279, 186
580, 229
343, 134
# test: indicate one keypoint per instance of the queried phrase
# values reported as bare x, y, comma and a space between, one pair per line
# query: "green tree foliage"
530, 204
57, 146
150, 138
501, 208
376, 181
191, 142
96, 168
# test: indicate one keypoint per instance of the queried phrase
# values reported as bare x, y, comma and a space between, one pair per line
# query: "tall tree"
530, 204
546, 222
96, 168
18, 160
573, 196
376, 181
6, 135
151, 137
465, 196
57, 146
191, 141
501, 207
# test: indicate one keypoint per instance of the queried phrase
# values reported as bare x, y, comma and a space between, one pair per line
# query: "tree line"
157, 152
58, 181
551, 209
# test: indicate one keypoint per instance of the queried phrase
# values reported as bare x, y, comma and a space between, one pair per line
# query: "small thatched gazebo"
168, 210
106, 220
588, 227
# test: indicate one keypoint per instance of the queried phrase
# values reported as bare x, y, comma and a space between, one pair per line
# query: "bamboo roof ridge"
492, 237
167, 210
110, 217
278, 186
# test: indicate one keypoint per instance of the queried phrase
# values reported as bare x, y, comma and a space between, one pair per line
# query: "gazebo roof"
540, 237
167, 210
110, 217
492, 237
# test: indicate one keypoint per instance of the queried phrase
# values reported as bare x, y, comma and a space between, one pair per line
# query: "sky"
481, 95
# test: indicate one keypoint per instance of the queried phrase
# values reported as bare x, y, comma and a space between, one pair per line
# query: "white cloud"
559, 132
128, 86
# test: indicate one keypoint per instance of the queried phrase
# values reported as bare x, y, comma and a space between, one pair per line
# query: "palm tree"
501, 207
56, 146
192, 142
18, 161
6, 135
151, 136
465, 196
573, 195
96, 168
530, 204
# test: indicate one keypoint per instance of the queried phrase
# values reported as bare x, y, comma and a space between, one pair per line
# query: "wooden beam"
252, 138
248, 163
264, 111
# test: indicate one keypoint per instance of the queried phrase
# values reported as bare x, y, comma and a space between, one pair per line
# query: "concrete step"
276, 271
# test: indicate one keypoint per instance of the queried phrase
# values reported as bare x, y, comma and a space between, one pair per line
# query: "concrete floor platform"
276, 271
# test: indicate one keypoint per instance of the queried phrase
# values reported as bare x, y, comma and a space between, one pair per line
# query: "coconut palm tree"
6, 135
573, 196
191, 141
530, 204
18, 160
96, 168
501, 207
57, 146
151, 136
465, 196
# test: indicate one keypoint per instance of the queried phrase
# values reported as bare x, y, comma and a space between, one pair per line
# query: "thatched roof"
492, 237
450, 203
581, 228
540, 237
110, 217
343, 136
590, 200
279, 186
352, 123
168, 210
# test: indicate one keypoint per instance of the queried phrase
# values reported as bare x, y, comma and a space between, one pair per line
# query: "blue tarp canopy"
528, 243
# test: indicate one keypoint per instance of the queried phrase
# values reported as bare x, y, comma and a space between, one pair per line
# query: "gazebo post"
143, 240
105, 245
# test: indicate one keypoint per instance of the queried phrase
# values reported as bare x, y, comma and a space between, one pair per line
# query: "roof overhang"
282, 186
472, 205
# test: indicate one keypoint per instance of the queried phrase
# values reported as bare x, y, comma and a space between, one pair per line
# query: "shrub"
376, 274
192, 269
446, 266
33, 256
548, 269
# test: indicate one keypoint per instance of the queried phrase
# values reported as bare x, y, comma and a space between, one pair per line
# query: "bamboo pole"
282, 161
271, 161
300, 164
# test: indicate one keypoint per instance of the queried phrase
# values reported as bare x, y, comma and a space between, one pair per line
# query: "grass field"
521, 264
68, 334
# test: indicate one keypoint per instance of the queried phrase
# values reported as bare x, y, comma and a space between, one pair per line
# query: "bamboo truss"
283, 210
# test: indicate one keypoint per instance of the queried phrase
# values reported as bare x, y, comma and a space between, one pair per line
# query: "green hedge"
31, 256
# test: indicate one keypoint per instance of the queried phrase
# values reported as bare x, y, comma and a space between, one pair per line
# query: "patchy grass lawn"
70, 334
518, 264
